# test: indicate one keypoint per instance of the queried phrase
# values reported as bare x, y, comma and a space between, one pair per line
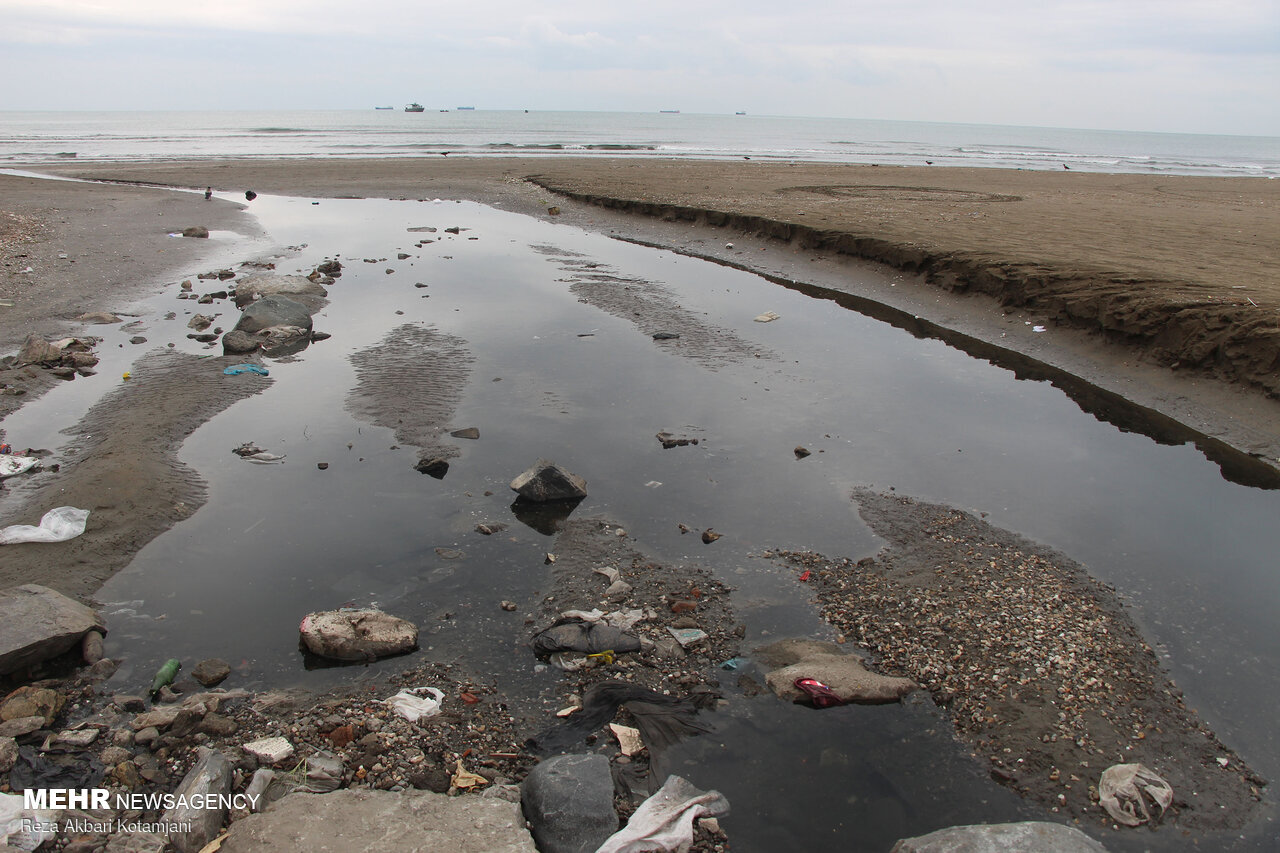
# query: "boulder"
210, 777
36, 350
1025, 837
547, 481
237, 343
28, 701
299, 288
38, 623
382, 822
273, 311
568, 801
828, 663
357, 635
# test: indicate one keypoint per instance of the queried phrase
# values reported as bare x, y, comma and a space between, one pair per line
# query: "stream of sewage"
545, 371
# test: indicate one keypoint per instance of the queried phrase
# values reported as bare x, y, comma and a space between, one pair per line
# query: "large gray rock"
299, 288
38, 623
547, 481
211, 776
236, 342
273, 311
568, 801
1026, 837
828, 663
362, 820
357, 634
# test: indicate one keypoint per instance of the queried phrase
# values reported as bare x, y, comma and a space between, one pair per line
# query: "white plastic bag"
1124, 789
21, 829
57, 525
11, 466
412, 706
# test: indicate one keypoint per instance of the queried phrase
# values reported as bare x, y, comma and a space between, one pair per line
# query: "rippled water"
559, 365
29, 137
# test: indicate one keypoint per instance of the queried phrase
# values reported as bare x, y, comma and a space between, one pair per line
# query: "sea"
28, 138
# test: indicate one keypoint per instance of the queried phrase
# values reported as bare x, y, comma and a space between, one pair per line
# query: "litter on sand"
410, 704
57, 525
767, 317
1124, 790
464, 778
11, 466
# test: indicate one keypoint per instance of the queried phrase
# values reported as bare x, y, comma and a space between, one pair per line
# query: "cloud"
917, 58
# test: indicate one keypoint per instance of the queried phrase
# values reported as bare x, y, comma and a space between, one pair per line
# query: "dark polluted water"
546, 346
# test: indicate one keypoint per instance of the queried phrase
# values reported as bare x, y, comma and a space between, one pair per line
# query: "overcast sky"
1209, 66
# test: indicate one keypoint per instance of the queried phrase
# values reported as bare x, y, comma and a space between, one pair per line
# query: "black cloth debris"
662, 720
52, 770
577, 635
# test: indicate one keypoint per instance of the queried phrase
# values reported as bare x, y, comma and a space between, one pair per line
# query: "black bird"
250, 195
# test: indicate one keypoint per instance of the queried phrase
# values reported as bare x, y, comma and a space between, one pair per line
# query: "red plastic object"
820, 695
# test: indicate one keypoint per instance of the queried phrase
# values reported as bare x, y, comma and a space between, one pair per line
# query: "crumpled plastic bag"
57, 525
409, 704
12, 466
1121, 792
18, 827
665, 821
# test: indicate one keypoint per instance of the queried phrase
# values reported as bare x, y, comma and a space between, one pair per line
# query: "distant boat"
740, 113
384, 108
415, 108
673, 112
466, 108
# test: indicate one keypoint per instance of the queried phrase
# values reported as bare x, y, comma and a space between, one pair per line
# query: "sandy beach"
1158, 291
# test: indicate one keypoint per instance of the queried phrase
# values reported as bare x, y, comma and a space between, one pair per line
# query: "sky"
1200, 66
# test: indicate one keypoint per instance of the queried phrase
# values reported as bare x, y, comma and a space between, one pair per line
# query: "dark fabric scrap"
577, 635
662, 720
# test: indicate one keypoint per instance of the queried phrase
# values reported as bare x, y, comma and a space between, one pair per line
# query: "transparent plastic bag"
57, 525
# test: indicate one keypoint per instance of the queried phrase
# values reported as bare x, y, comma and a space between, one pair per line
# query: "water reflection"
557, 368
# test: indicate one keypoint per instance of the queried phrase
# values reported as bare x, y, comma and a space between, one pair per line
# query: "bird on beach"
1065, 166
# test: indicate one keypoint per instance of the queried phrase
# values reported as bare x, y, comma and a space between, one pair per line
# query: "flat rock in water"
547, 481
357, 635
38, 623
372, 821
844, 673
211, 672
1037, 836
